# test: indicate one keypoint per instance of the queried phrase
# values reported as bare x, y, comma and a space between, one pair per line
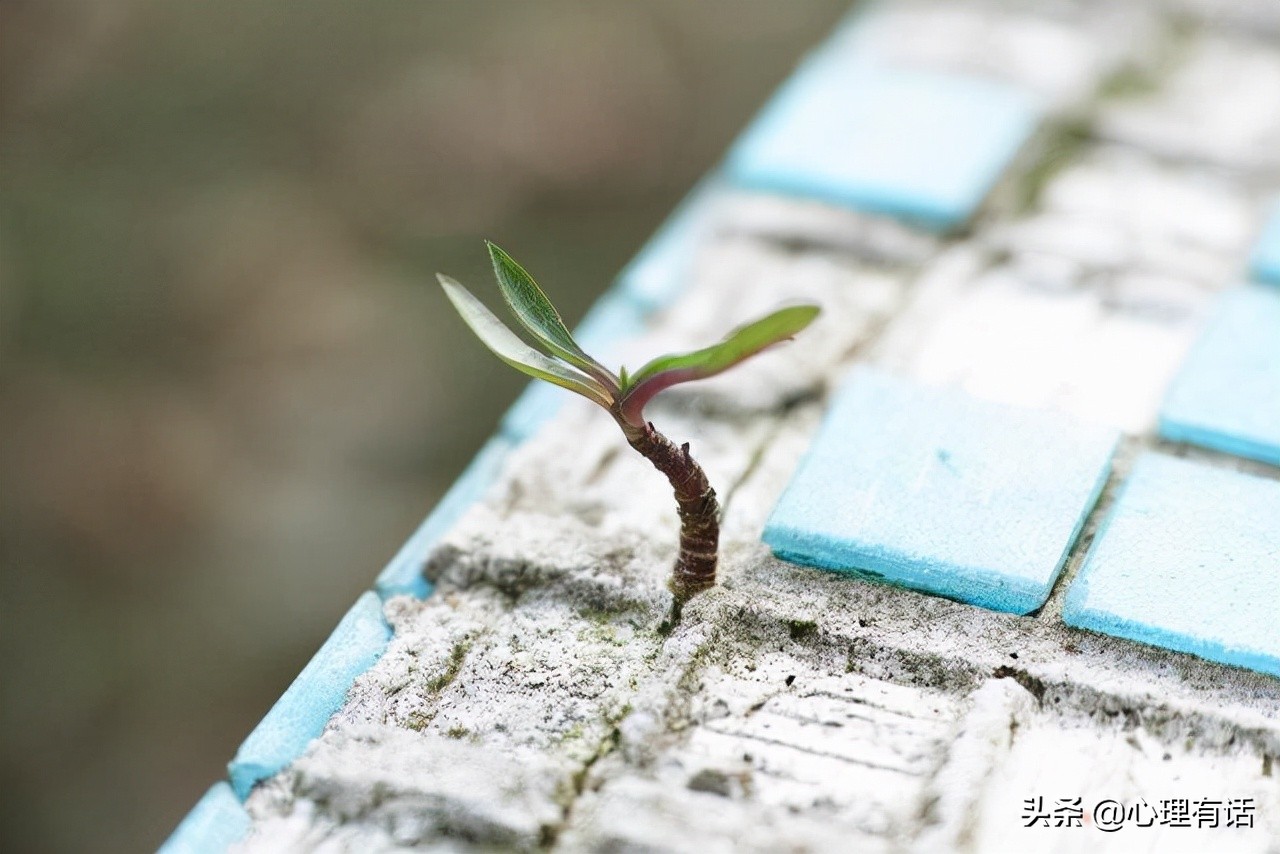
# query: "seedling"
623, 395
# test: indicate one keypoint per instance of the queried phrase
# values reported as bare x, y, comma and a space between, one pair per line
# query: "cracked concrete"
540, 699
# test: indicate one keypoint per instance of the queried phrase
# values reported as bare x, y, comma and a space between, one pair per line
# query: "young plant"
623, 395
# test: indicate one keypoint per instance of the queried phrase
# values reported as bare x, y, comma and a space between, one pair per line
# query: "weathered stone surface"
619, 722
1247, 17
1060, 51
1008, 752
806, 223
770, 760
1101, 347
382, 786
542, 697
301, 712
1217, 105
739, 280
1122, 211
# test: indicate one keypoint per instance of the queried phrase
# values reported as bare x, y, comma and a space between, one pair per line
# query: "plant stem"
695, 568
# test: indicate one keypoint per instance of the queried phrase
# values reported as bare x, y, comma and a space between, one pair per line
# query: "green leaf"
508, 347
536, 314
742, 343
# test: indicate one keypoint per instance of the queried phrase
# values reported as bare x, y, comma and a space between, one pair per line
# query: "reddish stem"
695, 568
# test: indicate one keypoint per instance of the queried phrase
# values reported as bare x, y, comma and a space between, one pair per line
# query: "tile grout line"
471, 485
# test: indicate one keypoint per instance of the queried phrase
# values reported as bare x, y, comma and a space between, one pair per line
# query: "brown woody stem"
695, 568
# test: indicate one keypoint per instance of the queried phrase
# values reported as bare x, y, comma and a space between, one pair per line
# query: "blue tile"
305, 707
614, 318
660, 271
1265, 263
215, 823
403, 575
1227, 394
938, 491
923, 146
1187, 560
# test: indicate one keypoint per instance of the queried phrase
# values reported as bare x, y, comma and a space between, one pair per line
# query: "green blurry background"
229, 387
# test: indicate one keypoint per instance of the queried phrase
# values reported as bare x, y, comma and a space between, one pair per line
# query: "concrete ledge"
306, 706
542, 699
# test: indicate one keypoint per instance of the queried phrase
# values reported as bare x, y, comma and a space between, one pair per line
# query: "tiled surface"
1265, 263
1019, 323
1215, 105
302, 711
1227, 395
1113, 211
918, 145
938, 491
403, 575
915, 111
215, 823
1058, 52
1189, 559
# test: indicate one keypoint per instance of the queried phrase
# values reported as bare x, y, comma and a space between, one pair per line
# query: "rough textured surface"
542, 696
1001, 329
1227, 395
1187, 560
938, 491
1214, 104
1059, 56
545, 644
403, 796
1110, 210
998, 766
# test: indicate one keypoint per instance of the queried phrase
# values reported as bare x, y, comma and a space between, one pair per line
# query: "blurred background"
229, 387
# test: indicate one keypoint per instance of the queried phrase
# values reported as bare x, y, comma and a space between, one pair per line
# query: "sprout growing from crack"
562, 362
